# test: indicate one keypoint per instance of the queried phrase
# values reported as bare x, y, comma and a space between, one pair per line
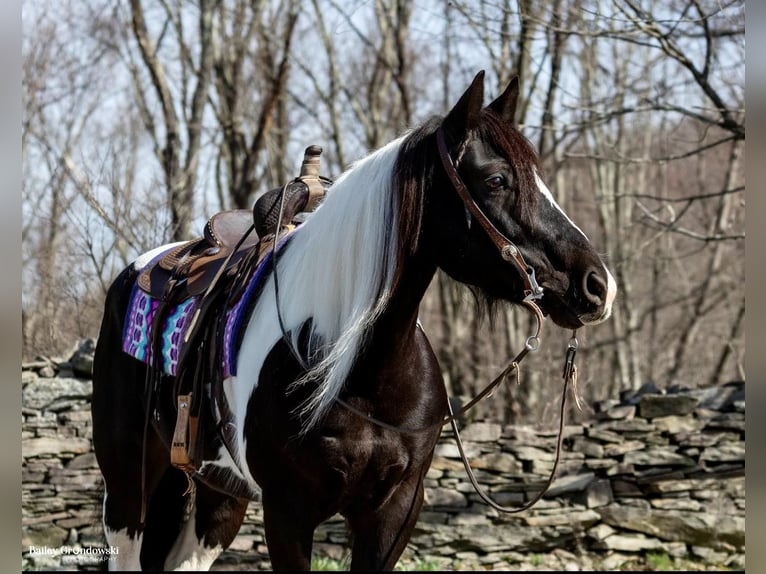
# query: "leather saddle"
191, 268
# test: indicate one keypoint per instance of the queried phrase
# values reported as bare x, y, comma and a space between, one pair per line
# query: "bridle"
508, 251
532, 292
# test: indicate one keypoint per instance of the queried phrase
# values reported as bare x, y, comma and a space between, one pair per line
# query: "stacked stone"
654, 472
62, 487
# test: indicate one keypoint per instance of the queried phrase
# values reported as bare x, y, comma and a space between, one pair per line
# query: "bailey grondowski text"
75, 553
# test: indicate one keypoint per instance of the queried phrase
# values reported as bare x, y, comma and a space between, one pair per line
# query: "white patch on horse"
128, 556
549, 196
145, 258
611, 292
333, 273
611, 286
189, 552
225, 462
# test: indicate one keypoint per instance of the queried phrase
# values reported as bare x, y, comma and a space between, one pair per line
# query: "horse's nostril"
594, 287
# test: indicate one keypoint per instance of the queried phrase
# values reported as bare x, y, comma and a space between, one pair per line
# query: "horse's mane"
340, 268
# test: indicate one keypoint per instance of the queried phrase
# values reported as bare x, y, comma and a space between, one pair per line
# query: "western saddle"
216, 264
193, 268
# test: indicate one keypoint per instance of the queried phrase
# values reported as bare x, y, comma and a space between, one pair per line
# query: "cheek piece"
508, 251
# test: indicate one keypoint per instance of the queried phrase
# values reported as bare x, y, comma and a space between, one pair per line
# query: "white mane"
338, 271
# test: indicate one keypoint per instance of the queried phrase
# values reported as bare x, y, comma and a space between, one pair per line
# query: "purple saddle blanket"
139, 324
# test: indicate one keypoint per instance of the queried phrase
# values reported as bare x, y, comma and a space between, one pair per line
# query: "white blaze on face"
611, 285
611, 292
546, 193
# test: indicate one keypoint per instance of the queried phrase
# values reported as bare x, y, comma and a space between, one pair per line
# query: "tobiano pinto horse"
341, 330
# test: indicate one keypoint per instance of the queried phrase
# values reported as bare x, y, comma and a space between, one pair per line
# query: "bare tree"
142, 117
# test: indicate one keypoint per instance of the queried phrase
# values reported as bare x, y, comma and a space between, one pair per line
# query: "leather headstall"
508, 250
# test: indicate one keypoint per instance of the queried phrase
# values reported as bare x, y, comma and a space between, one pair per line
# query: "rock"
47, 372
469, 519
568, 484
690, 527
619, 469
732, 452
482, 432
698, 438
601, 531
27, 377
450, 450
599, 493
712, 398
615, 562
603, 435
499, 462
630, 543
440, 496
530, 453
626, 412
633, 426
42, 392
677, 504
605, 405
674, 424
242, 543
727, 421
657, 456
620, 448
653, 406
590, 448
82, 359
709, 555
43, 535
39, 446
440, 463
583, 519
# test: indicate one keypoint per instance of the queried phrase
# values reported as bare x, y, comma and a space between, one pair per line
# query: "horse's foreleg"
381, 535
289, 532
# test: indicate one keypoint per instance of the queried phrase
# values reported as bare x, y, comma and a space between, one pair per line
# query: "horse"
334, 332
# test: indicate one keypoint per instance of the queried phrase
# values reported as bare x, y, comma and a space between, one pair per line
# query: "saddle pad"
139, 324
139, 328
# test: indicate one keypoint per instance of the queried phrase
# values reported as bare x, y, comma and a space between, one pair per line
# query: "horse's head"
514, 233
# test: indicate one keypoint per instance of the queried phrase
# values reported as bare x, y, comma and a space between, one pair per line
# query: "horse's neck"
396, 325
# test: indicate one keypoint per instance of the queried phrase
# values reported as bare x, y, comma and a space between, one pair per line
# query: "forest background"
140, 119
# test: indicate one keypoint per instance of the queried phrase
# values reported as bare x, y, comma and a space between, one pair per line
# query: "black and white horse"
350, 280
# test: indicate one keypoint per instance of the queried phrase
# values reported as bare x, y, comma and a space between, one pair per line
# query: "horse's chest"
366, 468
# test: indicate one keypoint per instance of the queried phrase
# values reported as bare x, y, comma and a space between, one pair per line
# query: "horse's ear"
465, 115
505, 104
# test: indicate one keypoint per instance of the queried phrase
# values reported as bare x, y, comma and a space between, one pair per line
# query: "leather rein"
532, 291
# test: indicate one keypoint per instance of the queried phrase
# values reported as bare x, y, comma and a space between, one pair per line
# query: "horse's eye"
495, 182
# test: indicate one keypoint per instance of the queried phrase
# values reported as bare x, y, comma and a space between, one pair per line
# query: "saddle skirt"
140, 325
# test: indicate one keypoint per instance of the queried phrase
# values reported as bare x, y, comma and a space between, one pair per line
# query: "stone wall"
656, 475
